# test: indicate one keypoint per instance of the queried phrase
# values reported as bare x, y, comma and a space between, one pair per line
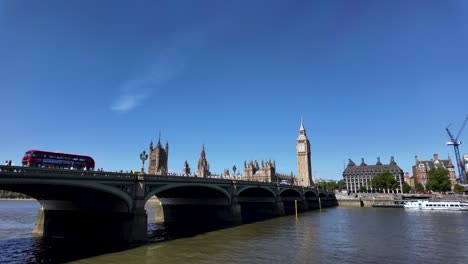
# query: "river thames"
336, 235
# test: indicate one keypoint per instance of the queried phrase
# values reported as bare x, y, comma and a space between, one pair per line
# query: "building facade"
409, 180
422, 167
264, 173
203, 165
303, 153
360, 176
158, 158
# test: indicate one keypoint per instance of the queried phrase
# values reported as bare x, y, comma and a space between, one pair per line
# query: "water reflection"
280, 240
339, 235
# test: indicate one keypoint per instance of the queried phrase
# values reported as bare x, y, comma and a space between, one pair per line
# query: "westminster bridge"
79, 204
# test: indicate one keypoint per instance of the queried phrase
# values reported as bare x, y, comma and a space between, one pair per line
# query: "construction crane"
455, 143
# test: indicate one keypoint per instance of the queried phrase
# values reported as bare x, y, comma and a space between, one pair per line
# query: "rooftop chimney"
436, 157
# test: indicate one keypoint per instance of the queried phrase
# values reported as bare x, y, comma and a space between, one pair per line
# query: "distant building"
158, 159
422, 167
361, 176
409, 180
203, 165
304, 165
265, 173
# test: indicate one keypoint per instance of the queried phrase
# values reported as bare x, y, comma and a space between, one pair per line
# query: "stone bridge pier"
89, 226
92, 216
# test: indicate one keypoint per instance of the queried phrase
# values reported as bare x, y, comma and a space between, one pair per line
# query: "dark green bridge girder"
52, 184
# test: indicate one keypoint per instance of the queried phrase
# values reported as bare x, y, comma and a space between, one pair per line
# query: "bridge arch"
246, 188
310, 194
258, 203
186, 186
192, 204
290, 193
64, 189
290, 197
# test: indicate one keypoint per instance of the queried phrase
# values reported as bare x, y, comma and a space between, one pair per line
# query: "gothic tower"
203, 165
304, 167
158, 158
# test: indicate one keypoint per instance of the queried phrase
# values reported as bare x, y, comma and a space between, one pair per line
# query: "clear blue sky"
102, 78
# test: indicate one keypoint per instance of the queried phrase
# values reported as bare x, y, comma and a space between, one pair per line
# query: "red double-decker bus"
47, 159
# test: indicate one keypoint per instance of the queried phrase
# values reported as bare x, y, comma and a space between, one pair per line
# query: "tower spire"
302, 131
158, 145
203, 165
158, 158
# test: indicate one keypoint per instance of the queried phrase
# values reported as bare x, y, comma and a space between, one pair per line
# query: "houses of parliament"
265, 171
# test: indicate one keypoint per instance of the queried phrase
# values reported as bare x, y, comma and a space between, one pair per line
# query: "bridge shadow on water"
159, 232
57, 250
165, 232
53, 250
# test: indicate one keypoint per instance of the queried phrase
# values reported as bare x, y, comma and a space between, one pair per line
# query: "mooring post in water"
319, 201
295, 206
320, 204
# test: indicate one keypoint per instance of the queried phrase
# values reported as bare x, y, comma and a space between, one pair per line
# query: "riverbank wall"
367, 199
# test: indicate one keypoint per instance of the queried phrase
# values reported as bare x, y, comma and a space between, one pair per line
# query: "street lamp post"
143, 157
319, 201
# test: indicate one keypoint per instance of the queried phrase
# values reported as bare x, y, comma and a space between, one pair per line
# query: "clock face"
301, 147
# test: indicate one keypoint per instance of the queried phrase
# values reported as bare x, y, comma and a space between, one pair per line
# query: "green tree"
329, 185
419, 187
12, 195
406, 188
341, 184
321, 185
362, 189
439, 180
384, 180
458, 188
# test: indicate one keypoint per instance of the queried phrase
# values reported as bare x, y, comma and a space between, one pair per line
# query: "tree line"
438, 181
330, 185
12, 195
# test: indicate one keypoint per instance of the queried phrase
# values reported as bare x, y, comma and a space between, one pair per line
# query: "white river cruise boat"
437, 205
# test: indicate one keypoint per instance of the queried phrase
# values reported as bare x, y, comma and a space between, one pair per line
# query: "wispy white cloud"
127, 102
162, 68
166, 64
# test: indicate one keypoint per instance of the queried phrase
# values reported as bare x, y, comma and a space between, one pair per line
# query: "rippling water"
338, 235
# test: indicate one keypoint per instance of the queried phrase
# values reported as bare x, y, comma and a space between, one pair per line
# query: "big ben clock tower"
304, 167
